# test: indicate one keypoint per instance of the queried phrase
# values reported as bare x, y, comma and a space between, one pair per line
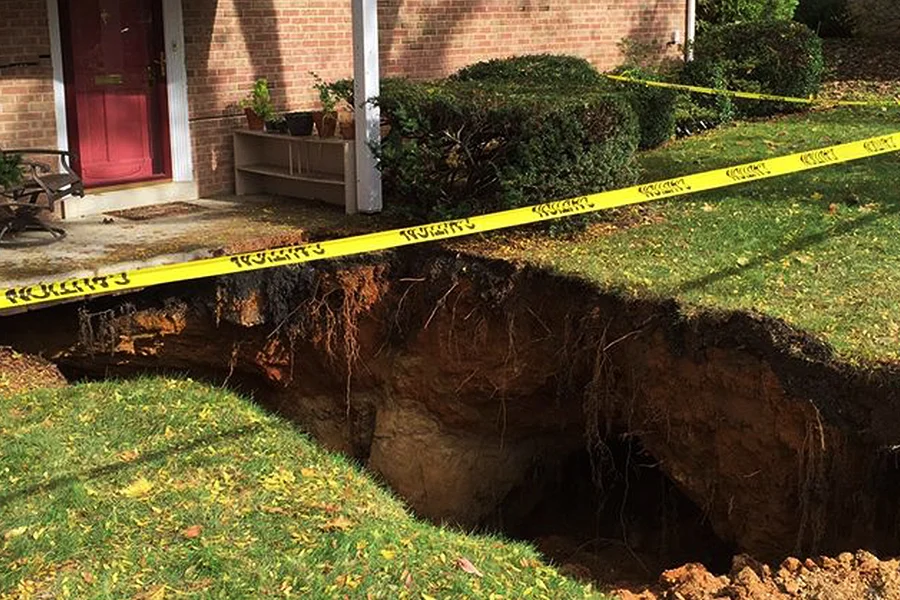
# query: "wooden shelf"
298, 166
284, 173
284, 137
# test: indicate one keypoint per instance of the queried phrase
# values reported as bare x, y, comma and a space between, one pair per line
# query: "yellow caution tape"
752, 95
30, 295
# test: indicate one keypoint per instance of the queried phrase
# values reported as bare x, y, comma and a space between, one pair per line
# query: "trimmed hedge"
461, 148
772, 57
551, 73
655, 107
723, 12
533, 69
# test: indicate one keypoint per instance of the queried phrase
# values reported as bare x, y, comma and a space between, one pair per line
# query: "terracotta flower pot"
325, 123
254, 121
347, 125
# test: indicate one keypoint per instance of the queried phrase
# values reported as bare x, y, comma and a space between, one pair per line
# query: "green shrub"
697, 112
875, 19
772, 57
654, 107
10, 169
828, 18
462, 148
533, 69
722, 12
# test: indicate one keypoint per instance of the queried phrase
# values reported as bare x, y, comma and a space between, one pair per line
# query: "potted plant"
258, 105
343, 91
277, 125
299, 123
325, 119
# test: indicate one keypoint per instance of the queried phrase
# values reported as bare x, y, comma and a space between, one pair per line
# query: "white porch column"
691, 29
366, 84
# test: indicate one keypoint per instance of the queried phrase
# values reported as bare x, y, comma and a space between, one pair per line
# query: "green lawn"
161, 488
820, 250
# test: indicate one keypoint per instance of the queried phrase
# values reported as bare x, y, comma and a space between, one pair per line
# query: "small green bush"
828, 18
875, 19
654, 107
772, 57
697, 112
533, 69
462, 148
723, 12
10, 169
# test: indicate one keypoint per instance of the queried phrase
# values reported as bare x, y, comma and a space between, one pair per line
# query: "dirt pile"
23, 372
859, 576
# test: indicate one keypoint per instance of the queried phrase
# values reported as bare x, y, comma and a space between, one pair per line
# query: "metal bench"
20, 205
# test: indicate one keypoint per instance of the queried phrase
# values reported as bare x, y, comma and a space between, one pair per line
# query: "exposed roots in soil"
100, 332
329, 319
813, 486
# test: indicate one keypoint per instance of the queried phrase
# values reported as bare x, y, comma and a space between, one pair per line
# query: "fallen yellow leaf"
137, 489
12, 533
340, 522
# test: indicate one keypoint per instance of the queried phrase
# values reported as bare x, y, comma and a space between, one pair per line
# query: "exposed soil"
624, 436
23, 372
859, 576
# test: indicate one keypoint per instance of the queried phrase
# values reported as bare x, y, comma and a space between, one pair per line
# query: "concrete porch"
176, 232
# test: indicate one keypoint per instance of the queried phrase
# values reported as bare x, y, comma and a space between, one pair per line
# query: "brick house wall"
231, 42
27, 117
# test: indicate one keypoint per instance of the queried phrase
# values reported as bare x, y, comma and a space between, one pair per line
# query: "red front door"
116, 89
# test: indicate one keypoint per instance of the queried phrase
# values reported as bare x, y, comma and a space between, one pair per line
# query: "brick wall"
27, 117
229, 43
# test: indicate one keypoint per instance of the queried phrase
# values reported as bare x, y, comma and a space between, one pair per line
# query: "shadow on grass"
785, 250
112, 468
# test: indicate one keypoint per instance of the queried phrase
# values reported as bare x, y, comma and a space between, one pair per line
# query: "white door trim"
176, 76
59, 86
176, 72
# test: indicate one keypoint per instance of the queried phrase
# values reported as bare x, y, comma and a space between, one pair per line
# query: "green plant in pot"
325, 119
342, 89
258, 105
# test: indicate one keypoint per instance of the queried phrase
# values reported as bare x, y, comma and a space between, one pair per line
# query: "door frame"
182, 164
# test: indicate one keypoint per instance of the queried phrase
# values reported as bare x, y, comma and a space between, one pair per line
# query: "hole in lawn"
615, 518
466, 390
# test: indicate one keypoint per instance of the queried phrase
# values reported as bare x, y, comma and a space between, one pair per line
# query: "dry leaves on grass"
466, 565
340, 523
192, 532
